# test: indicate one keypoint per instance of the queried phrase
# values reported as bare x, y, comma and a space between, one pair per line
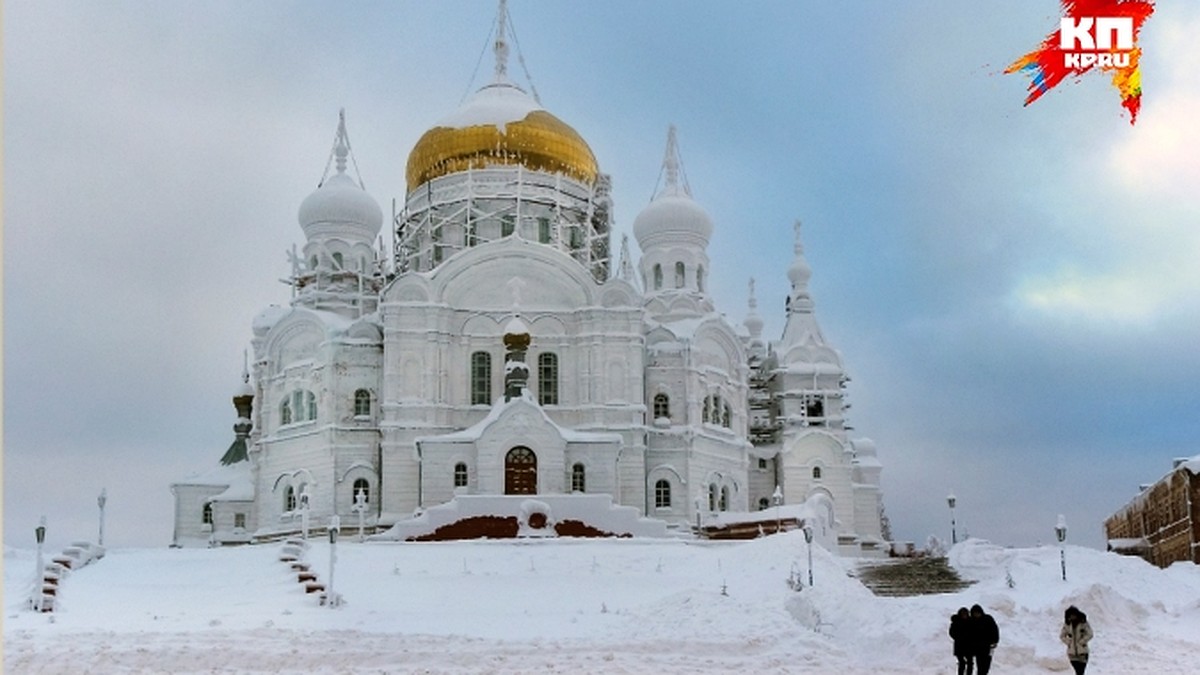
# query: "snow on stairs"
292, 553
904, 577
73, 557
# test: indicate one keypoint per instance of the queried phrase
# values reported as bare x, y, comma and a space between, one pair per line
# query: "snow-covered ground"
596, 606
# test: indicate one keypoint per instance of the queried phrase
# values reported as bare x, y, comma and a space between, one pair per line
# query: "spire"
799, 273
625, 265
341, 143
245, 367
672, 167
753, 321
501, 46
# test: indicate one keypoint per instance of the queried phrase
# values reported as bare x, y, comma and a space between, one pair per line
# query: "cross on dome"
501, 46
676, 183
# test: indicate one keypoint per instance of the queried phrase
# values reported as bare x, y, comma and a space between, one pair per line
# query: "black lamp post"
808, 536
1060, 531
952, 500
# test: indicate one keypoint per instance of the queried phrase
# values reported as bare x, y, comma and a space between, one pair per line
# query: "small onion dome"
338, 205
799, 272
500, 125
672, 212
754, 324
516, 327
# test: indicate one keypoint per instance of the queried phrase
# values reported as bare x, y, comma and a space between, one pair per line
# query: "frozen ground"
571, 606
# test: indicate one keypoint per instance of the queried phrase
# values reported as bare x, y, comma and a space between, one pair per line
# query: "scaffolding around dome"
460, 210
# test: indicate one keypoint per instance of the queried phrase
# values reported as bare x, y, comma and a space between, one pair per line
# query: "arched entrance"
520, 472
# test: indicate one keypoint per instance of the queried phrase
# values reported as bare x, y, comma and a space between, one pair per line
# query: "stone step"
910, 576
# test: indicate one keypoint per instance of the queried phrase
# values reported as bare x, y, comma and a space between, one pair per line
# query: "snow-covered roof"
496, 104
475, 431
218, 476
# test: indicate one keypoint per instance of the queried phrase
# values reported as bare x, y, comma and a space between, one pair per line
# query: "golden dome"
501, 124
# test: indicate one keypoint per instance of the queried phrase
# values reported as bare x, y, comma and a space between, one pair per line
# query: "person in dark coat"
1076, 634
960, 632
986, 636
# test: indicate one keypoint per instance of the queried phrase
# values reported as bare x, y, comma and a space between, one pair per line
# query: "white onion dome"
673, 212
516, 326
754, 323
799, 272
341, 206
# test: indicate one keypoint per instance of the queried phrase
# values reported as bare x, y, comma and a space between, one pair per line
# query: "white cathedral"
497, 350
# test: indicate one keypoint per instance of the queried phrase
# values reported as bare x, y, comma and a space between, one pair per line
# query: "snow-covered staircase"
903, 577
44, 596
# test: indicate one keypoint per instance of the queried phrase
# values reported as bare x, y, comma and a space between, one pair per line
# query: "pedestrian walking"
986, 636
960, 632
1076, 633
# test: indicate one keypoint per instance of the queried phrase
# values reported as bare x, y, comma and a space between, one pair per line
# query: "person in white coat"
1076, 633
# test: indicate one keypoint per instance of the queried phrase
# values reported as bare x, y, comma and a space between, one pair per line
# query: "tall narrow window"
657, 277
543, 230
460, 475
662, 494
310, 407
364, 486
576, 237
724, 505
700, 278
727, 417
548, 378
481, 378
662, 406
577, 478
289, 499
679, 274
285, 411
706, 410
816, 473
312, 263
239, 521
435, 235
469, 234
362, 403
507, 225
206, 516
712, 496
338, 261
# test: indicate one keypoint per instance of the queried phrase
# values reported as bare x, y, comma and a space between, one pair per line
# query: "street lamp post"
39, 593
952, 500
778, 499
1060, 531
360, 507
334, 527
808, 535
101, 501
699, 501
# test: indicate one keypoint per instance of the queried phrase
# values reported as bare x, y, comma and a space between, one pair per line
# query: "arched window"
548, 378
481, 378
337, 261
724, 498
727, 417
289, 499
362, 403
206, 515
816, 473
310, 407
662, 406
285, 411
712, 496
764, 504
662, 494
577, 478
312, 263
460, 475
364, 486
700, 278
657, 277
679, 275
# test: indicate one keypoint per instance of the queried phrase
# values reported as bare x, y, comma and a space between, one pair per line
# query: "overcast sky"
1015, 291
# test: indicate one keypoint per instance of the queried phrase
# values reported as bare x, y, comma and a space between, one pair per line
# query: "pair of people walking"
975, 636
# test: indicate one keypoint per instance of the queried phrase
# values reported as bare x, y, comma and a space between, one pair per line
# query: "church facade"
499, 349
